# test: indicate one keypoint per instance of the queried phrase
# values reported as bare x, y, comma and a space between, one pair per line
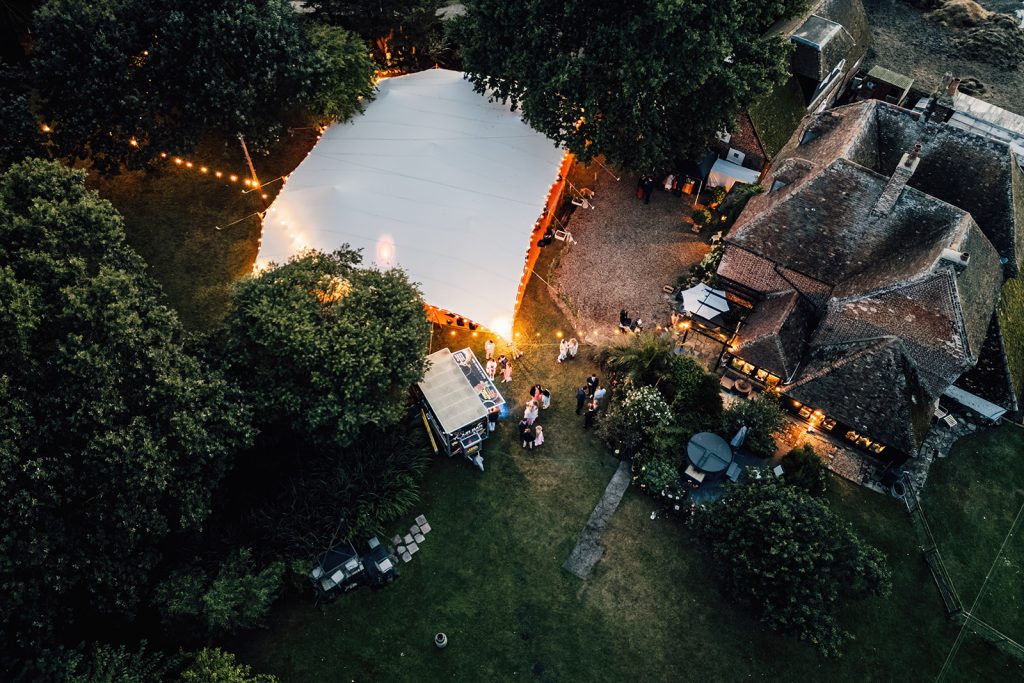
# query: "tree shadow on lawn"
172, 212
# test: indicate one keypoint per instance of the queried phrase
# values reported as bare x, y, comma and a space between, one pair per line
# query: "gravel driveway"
625, 252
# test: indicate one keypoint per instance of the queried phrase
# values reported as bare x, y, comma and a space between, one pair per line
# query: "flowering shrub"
659, 474
639, 420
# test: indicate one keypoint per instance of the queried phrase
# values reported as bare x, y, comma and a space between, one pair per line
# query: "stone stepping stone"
421, 520
424, 528
412, 548
418, 538
406, 557
408, 539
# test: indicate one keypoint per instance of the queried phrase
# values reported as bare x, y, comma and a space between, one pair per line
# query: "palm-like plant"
643, 360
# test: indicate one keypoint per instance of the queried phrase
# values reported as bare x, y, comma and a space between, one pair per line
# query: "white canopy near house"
704, 301
432, 178
726, 174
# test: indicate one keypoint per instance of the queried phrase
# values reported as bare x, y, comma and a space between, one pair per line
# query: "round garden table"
709, 452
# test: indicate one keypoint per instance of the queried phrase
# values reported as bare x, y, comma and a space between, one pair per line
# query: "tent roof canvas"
433, 178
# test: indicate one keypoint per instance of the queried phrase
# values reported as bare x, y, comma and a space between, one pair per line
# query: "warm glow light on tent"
386, 252
452, 196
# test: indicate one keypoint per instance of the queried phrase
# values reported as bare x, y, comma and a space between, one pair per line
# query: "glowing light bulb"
133, 142
177, 161
203, 169
45, 128
163, 155
233, 178
188, 164
218, 174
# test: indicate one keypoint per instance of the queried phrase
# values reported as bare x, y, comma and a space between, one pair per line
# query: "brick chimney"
891, 193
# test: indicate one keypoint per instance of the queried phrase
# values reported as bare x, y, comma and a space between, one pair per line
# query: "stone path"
588, 551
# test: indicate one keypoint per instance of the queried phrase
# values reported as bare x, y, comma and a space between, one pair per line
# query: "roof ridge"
868, 344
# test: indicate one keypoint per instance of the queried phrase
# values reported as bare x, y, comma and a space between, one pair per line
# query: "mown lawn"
171, 218
490, 576
971, 500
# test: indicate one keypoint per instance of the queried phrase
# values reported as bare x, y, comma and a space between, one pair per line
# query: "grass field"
489, 575
971, 501
171, 218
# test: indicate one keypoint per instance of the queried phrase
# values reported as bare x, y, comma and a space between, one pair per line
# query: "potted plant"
701, 217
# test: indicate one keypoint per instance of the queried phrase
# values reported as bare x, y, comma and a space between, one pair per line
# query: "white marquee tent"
432, 178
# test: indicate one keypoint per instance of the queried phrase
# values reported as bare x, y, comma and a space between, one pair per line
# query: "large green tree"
787, 557
323, 347
112, 434
346, 76
642, 83
401, 32
163, 74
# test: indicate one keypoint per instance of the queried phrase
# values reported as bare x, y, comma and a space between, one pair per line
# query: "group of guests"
532, 435
588, 400
567, 349
626, 324
492, 366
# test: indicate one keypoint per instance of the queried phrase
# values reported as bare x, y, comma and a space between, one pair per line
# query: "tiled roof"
773, 337
907, 286
871, 386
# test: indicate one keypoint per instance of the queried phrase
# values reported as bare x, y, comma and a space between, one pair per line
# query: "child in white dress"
538, 437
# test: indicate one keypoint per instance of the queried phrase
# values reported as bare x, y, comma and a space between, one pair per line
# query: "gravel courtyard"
625, 252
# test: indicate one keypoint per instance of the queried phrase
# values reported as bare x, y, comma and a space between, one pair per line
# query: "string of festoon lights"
252, 183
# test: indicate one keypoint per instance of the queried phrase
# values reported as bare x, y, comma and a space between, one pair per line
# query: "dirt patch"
924, 49
960, 13
998, 40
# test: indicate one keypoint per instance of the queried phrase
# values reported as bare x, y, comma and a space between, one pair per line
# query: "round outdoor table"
709, 452
743, 386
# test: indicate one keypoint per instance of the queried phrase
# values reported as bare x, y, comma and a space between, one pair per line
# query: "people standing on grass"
590, 416
526, 434
492, 367
545, 399
563, 351
538, 436
531, 413
502, 362
536, 391
492, 420
489, 349
591, 384
599, 394
507, 372
581, 399
573, 347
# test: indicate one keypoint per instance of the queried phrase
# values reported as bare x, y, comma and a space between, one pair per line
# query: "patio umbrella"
704, 301
740, 437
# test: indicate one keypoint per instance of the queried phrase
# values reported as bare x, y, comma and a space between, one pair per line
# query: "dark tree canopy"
166, 73
346, 76
112, 435
323, 347
400, 31
641, 83
803, 468
22, 136
763, 419
787, 557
